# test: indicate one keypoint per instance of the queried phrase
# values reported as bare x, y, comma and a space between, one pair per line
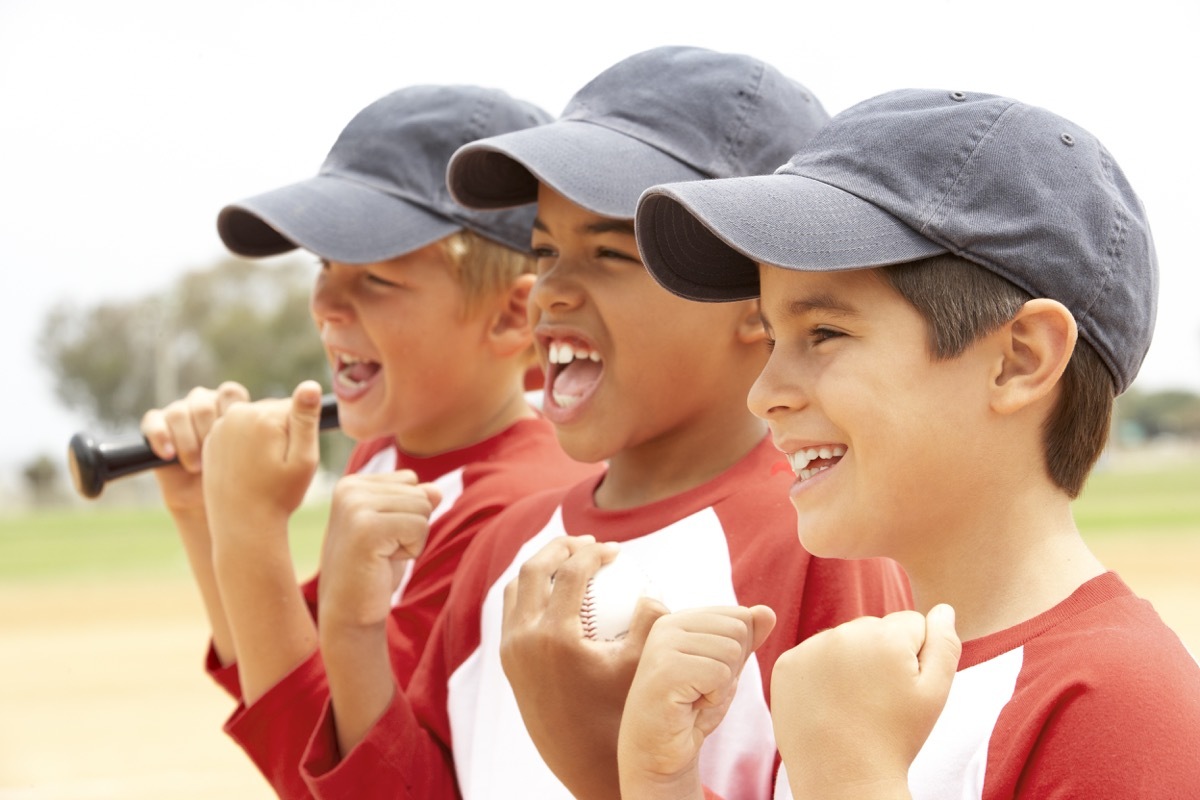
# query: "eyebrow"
624, 226
824, 302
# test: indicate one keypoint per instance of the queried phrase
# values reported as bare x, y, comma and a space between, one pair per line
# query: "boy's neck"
486, 417
1006, 564
677, 462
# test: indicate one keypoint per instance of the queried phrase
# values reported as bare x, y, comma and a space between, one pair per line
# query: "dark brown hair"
961, 301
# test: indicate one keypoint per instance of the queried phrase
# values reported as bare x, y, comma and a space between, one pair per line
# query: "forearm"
197, 545
831, 788
642, 784
361, 683
269, 622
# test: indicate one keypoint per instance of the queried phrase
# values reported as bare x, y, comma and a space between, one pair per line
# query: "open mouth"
573, 372
808, 462
354, 373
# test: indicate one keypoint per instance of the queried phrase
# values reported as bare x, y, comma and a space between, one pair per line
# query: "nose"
329, 299
776, 391
557, 287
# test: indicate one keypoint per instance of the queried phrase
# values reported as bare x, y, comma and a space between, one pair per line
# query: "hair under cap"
910, 174
381, 191
662, 115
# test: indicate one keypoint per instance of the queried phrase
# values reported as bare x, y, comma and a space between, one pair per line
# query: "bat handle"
94, 463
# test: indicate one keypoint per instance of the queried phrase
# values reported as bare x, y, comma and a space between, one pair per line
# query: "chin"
582, 447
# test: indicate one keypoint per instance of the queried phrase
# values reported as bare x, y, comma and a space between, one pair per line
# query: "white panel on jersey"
383, 461
954, 757
451, 485
952, 762
493, 755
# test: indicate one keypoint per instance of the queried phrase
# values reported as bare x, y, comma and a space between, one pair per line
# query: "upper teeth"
346, 358
802, 458
563, 353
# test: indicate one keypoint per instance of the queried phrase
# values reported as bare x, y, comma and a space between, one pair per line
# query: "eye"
381, 281
770, 342
820, 333
617, 255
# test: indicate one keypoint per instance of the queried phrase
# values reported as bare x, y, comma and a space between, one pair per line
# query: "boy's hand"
684, 685
377, 523
179, 431
260, 459
853, 705
571, 691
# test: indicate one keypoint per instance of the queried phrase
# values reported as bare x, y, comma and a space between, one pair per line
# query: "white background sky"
125, 125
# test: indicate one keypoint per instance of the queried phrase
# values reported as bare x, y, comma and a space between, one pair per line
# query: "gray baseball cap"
662, 115
914, 173
381, 191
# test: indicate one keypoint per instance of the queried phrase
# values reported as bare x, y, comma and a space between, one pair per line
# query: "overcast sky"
125, 125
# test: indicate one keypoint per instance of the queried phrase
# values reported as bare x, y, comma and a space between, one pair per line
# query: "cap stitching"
749, 98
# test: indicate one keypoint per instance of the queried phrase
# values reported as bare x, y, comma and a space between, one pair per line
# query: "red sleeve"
408, 752
224, 676
274, 731
1109, 709
399, 758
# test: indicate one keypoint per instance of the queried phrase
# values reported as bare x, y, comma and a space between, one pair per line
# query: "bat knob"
87, 468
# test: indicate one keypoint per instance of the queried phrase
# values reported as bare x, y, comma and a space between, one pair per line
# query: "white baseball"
611, 597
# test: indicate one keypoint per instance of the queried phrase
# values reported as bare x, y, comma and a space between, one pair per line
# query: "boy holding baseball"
420, 305
957, 287
511, 700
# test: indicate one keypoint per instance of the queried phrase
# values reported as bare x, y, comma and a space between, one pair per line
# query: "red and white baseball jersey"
730, 541
476, 482
1094, 698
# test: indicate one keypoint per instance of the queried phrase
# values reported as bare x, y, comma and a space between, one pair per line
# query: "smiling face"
879, 434
400, 346
630, 368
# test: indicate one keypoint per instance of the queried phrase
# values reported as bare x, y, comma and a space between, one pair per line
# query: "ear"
1035, 347
509, 328
750, 328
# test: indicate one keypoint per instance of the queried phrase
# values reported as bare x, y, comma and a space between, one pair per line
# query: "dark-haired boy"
957, 286
655, 386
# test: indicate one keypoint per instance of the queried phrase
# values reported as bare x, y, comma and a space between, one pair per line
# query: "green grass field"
129, 541
117, 541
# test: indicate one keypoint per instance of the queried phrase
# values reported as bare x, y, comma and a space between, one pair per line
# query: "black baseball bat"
94, 463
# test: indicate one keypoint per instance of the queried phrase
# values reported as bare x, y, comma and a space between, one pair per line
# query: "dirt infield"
102, 693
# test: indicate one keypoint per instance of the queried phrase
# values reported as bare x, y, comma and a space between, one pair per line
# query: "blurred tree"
1170, 412
236, 320
41, 479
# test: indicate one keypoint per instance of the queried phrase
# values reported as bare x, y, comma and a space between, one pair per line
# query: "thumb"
647, 611
762, 622
432, 493
304, 421
938, 659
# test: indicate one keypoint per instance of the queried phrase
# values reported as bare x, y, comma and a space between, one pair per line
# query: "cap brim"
334, 218
704, 240
594, 167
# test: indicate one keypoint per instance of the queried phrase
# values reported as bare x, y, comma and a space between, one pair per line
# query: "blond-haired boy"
420, 305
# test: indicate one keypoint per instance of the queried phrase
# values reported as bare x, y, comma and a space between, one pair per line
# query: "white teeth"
805, 474
565, 400
800, 460
563, 353
346, 380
